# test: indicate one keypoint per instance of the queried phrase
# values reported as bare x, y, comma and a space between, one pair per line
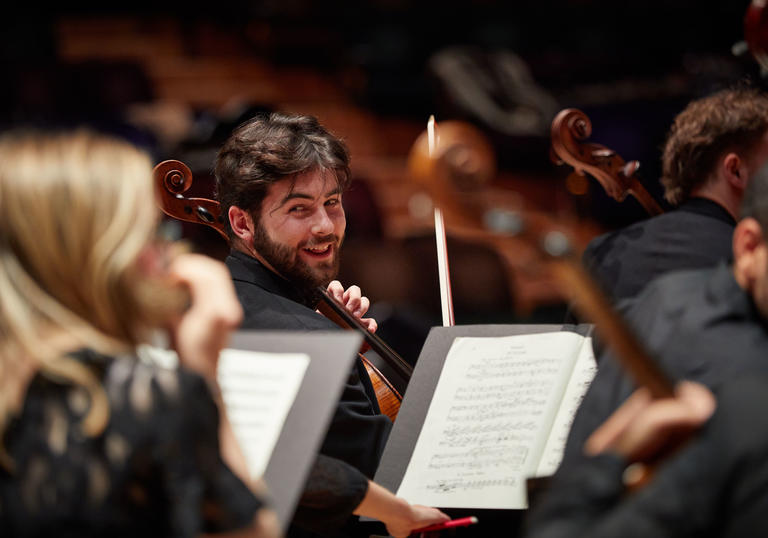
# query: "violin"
618, 177
173, 178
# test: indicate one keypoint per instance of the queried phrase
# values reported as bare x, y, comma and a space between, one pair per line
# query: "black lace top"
156, 470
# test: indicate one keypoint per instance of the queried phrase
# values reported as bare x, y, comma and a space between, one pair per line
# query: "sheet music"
489, 419
258, 390
583, 372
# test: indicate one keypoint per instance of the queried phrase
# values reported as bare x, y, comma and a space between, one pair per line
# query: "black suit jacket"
698, 234
358, 430
716, 486
699, 325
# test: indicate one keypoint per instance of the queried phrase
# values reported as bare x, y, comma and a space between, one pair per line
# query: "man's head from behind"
715, 145
279, 179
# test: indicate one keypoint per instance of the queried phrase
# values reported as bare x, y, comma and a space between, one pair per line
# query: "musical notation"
491, 419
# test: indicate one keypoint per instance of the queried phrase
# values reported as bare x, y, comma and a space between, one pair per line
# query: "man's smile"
319, 252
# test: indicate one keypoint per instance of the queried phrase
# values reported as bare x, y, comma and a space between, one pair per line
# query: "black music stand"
413, 411
332, 355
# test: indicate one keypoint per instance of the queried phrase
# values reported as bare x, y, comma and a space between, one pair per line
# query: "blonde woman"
94, 440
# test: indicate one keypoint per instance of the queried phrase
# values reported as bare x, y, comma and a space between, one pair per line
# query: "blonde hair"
76, 211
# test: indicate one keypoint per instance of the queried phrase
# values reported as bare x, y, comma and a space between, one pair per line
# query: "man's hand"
416, 517
643, 428
354, 301
400, 517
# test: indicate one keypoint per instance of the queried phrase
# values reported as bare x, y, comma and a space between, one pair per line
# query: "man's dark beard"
288, 264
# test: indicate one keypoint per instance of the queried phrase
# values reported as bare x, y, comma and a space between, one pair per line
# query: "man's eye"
297, 209
332, 202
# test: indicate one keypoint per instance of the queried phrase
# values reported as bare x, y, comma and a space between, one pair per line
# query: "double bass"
173, 178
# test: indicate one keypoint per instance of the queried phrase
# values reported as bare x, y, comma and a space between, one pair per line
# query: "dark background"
631, 66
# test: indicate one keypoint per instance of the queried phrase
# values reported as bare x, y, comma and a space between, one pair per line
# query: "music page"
258, 390
583, 373
489, 420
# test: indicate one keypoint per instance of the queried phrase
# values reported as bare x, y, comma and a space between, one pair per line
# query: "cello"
173, 178
461, 163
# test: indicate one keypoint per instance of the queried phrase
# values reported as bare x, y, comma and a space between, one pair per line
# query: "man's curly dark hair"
730, 120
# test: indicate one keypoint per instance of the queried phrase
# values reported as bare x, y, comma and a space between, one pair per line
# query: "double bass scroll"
569, 128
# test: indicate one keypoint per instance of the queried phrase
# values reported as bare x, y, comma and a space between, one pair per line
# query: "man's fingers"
606, 434
642, 426
364, 305
336, 290
371, 324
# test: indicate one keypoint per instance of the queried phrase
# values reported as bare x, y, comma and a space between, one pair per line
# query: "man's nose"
322, 223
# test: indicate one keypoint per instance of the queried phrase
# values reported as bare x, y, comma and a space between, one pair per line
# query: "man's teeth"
318, 249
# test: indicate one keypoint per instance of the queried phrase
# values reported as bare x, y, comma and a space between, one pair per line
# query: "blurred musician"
713, 148
706, 325
96, 441
716, 484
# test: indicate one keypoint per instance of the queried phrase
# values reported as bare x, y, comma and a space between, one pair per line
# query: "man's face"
300, 229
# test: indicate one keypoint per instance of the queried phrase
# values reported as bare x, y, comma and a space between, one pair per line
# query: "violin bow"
444, 275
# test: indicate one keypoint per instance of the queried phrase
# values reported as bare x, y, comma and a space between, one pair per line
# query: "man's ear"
736, 172
242, 224
747, 240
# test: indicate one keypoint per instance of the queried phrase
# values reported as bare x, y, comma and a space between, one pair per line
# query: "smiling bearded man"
300, 230
280, 180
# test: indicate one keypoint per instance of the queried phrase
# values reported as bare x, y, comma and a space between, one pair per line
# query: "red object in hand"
463, 522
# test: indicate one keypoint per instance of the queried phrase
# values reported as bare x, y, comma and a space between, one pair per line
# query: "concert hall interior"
176, 78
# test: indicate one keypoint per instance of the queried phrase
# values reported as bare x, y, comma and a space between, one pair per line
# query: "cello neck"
336, 312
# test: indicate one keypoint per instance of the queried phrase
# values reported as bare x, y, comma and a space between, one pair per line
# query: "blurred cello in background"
462, 163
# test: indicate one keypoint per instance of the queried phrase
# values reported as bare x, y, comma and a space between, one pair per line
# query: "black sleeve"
332, 492
204, 494
357, 434
714, 486
590, 500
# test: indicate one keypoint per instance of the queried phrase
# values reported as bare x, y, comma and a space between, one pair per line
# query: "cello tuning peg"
205, 215
603, 152
629, 169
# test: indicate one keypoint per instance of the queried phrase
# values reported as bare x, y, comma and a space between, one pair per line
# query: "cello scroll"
569, 128
172, 179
